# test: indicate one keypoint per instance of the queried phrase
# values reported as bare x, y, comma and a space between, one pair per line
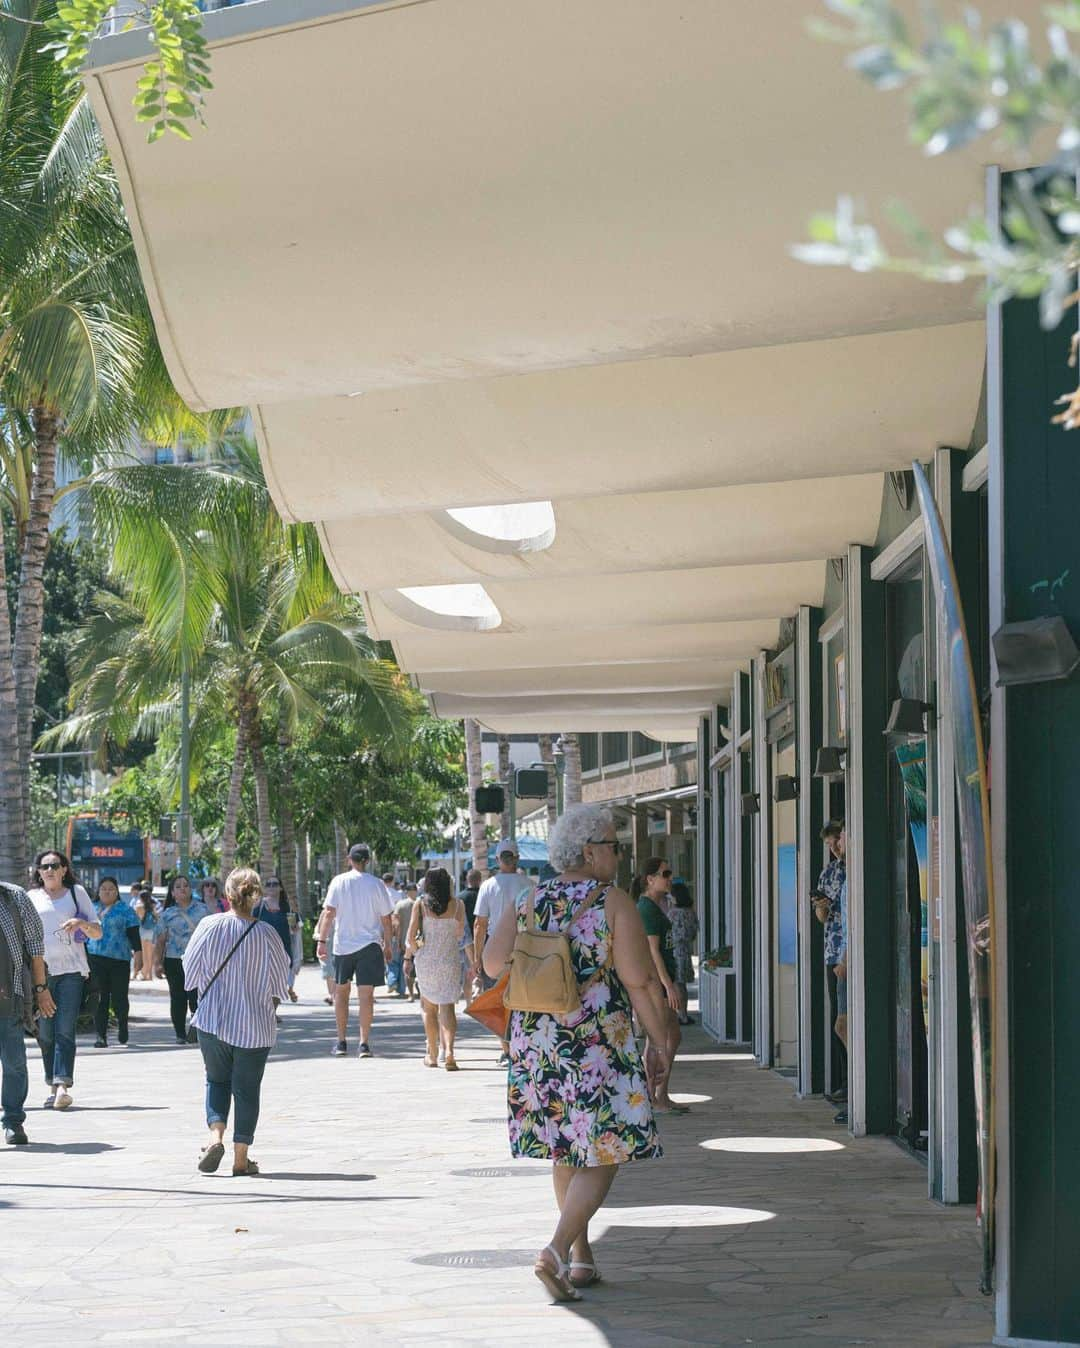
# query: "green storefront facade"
870, 655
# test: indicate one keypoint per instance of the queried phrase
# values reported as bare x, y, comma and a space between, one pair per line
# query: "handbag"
490, 1009
542, 977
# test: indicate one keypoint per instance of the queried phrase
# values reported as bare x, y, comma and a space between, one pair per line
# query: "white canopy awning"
472, 254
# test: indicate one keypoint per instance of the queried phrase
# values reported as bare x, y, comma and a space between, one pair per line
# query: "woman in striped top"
240, 970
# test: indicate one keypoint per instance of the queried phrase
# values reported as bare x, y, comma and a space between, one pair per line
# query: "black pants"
839, 1052
111, 978
180, 1002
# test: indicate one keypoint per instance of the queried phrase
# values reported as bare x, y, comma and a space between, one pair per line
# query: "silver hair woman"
577, 1092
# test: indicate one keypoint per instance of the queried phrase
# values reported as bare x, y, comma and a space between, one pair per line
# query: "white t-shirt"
63, 954
499, 892
360, 902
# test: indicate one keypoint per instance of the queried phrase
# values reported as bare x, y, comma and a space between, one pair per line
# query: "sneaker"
181, 1039
48, 1102
841, 1117
63, 1100
15, 1136
101, 1043
340, 1049
364, 1052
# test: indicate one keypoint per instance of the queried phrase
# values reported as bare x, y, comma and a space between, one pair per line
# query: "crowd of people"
581, 1092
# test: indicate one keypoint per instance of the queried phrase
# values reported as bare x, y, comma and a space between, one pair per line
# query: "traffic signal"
490, 800
531, 783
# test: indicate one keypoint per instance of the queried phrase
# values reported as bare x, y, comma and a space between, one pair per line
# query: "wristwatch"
41, 987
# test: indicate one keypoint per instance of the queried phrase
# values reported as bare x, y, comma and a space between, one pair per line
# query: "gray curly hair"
572, 831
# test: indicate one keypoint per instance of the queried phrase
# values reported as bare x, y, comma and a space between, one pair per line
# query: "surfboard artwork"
973, 809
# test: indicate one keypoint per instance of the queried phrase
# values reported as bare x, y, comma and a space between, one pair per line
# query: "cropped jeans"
56, 1034
233, 1075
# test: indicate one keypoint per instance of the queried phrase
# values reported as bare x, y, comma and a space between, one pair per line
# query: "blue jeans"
233, 1074
13, 1076
56, 1034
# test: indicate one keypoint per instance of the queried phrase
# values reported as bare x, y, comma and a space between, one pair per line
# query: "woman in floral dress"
577, 1094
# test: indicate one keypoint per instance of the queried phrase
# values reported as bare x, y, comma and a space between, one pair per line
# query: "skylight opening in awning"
462, 608
527, 526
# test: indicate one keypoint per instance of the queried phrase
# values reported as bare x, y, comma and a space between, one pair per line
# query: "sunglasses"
273, 884
665, 875
613, 843
51, 866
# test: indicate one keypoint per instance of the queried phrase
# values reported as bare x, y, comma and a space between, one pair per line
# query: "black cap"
358, 852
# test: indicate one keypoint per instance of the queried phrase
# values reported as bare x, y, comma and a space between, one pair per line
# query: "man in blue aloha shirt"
828, 910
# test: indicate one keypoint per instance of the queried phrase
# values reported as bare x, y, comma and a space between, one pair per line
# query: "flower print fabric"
576, 1090
115, 920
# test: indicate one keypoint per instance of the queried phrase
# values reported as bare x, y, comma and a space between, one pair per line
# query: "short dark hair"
680, 892
832, 829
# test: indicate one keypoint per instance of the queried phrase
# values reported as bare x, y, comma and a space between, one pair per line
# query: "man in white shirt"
358, 908
498, 892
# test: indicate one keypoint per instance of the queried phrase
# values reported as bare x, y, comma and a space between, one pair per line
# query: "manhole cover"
501, 1172
478, 1259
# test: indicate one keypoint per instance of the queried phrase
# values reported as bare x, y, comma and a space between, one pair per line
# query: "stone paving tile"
376, 1220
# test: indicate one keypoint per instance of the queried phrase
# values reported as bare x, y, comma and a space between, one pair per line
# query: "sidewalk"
389, 1211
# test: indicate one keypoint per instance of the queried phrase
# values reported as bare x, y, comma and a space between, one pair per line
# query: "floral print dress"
576, 1089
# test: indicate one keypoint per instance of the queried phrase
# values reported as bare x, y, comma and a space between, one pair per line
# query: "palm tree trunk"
232, 803
340, 847
263, 815
474, 766
547, 757
286, 819
30, 607
300, 880
506, 783
571, 769
13, 847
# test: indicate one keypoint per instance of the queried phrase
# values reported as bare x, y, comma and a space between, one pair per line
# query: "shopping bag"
490, 1010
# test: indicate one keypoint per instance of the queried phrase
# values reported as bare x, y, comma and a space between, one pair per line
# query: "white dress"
438, 961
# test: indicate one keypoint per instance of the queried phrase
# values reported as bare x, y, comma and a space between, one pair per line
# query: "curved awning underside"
474, 254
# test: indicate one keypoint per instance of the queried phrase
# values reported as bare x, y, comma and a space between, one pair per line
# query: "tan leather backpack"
542, 977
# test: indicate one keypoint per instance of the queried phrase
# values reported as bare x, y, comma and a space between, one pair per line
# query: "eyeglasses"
615, 845
50, 866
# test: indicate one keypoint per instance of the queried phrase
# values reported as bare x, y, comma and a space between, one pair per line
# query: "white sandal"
592, 1280
558, 1282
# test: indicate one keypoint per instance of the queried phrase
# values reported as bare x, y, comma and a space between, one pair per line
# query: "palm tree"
474, 767
571, 747
80, 367
254, 617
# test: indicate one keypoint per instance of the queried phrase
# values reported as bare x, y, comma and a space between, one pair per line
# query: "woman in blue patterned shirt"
110, 959
180, 916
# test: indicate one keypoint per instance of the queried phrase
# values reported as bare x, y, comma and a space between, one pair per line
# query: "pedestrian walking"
110, 959
68, 921
498, 894
149, 930
433, 945
359, 911
212, 897
651, 889
684, 931
133, 897
826, 901
576, 1090
273, 907
238, 969
403, 911
24, 991
180, 915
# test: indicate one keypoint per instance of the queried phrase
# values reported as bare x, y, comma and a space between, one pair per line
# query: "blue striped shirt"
239, 1008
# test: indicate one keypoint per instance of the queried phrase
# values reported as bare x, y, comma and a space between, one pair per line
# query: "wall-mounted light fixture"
750, 803
1038, 651
787, 788
907, 719
830, 761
